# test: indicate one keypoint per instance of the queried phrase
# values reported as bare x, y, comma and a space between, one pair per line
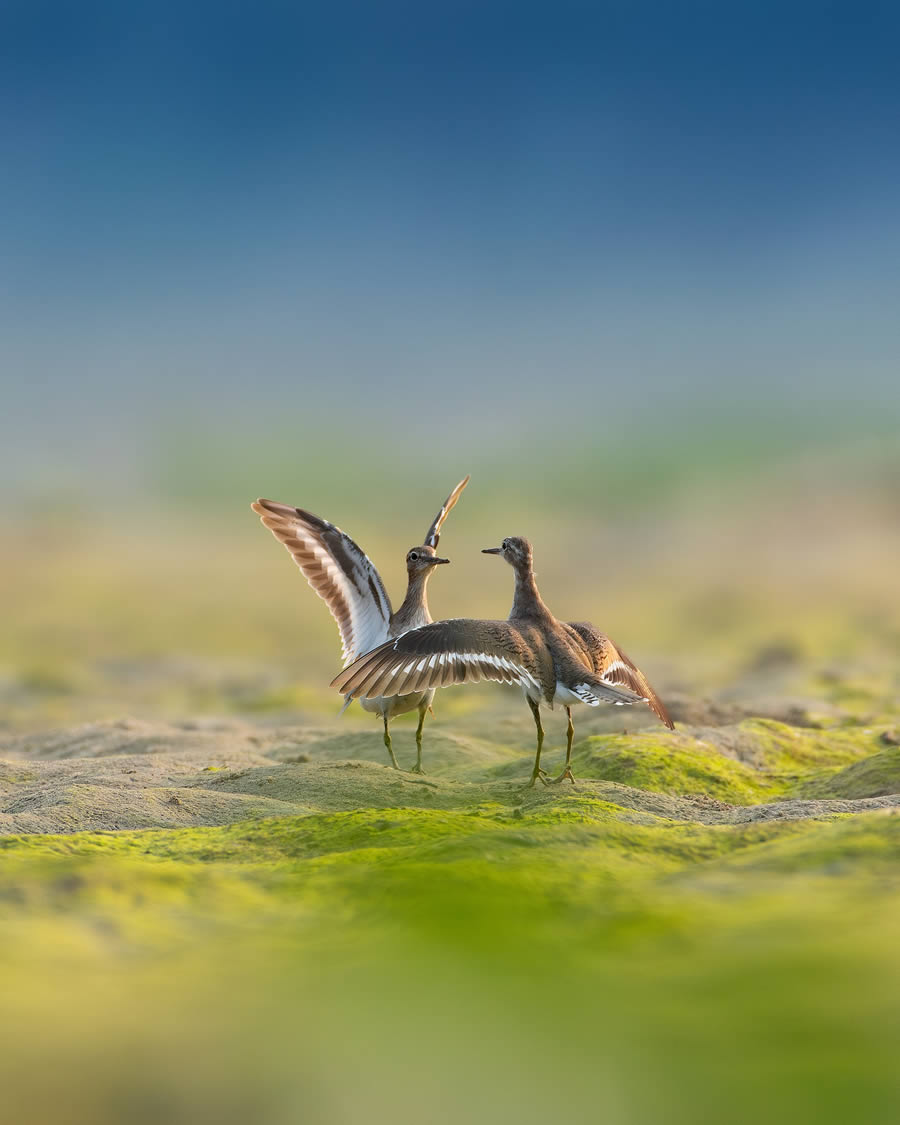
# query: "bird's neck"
527, 601
414, 610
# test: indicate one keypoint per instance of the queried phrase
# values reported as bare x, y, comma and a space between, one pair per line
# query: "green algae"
846, 843
757, 760
234, 970
874, 776
467, 948
364, 856
779, 747
680, 765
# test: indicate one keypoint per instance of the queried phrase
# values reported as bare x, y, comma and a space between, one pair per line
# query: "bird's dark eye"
413, 556
505, 544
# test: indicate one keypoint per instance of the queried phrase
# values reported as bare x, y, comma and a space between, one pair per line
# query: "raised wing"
338, 571
459, 651
613, 666
434, 532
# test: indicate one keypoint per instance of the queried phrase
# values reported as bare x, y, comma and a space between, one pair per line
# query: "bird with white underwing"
346, 580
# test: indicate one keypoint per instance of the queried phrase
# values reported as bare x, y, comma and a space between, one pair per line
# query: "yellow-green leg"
387, 742
537, 772
417, 768
570, 734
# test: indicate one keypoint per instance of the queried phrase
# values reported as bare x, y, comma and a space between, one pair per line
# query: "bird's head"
516, 551
422, 560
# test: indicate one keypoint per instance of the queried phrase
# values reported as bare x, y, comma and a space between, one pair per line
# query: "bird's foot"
566, 773
417, 768
541, 775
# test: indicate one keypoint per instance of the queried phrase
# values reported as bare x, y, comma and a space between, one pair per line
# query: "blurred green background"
634, 269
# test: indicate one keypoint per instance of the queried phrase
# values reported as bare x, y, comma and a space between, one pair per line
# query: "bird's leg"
417, 768
537, 772
570, 734
387, 742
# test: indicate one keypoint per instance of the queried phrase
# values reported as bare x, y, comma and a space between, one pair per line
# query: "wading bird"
552, 661
345, 579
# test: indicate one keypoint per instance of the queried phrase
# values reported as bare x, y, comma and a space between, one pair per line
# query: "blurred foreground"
453, 948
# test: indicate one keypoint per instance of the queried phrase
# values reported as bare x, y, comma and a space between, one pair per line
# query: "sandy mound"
136, 774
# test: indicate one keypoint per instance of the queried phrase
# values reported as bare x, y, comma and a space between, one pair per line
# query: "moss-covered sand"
705, 926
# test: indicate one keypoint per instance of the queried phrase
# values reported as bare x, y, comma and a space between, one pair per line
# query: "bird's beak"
438, 561
492, 551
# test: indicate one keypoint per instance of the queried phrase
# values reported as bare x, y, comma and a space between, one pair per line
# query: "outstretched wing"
613, 666
434, 532
338, 571
459, 651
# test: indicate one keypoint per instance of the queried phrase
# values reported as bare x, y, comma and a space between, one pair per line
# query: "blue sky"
574, 209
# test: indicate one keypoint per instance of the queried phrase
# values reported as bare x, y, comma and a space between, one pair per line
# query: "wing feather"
462, 650
614, 666
339, 572
434, 532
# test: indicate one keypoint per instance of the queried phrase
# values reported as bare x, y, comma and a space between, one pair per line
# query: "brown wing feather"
463, 650
434, 532
339, 572
614, 666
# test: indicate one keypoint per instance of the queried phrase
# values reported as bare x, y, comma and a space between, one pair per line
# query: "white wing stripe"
479, 665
